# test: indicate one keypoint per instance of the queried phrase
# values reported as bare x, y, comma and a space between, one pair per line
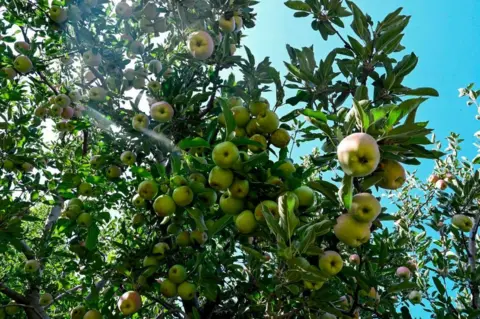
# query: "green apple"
415, 297
160, 25
21, 46
226, 25
161, 112
403, 273
58, 14
198, 177
113, 172
123, 10
56, 111
97, 94
238, 23
225, 154
92, 59
8, 165
12, 308
239, 188
183, 239
306, 196
350, 231
241, 115
75, 202
168, 288
150, 261
280, 138
186, 290
177, 274
393, 175
27, 167
231, 205
252, 128
259, 139
246, 222
93, 314
128, 158
78, 312
287, 168
201, 45
62, 100
73, 211
160, 249
462, 222
268, 122
365, 207
208, 197
155, 66
259, 107
182, 196
198, 237
45, 299
220, 179
330, 262
138, 201
328, 315
154, 87
238, 165
137, 47
129, 303
23, 64
138, 220
150, 11
84, 220
9, 73
85, 189
140, 122
164, 205
269, 205
358, 154
96, 161
129, 74
148, 190
31, 266
173, 229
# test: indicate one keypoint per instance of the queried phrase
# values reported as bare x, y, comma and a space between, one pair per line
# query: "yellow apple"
128, 158
113, 171
238, 23
140, 122
164, 205
270, 206
85, 189
231, 205
129, 303
220, 178
306, 196
241, 115
358, 154
93, 314
259, 107
183, 239
227, 25
23, 64
350, 231
268, 122
280, 138
239, 188
246, 222
260, 139
393, 175
201, 45
177, 274
161, 112
225, 154
208, 197
365, 207
58, 14
198, 237
9, 73
159, 250
31, 266
78, 312
252, 128
330, 262
148, 190
182, 196
462, 222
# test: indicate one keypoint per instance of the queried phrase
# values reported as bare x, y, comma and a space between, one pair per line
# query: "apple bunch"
176, 284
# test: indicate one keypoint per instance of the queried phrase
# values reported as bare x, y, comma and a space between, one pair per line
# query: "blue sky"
443, 34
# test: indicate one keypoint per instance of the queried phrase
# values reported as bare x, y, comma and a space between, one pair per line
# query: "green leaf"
229, 119
406, 65
192, 142
256, 160
301, 14
307, 240
252, 252
219, 225
359, 24
422, 92
406, 285
197, 216
439, 285
242, 140
286, 210
362, 118
357, 47
346, 191
298, 5
318, 115
273, 225
92, 237
403, 110
328, 189
369, 181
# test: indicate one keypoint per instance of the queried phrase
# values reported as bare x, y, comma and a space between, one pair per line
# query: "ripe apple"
182, 196
280, 138
270, 205
198, 237
92, 59
306, 196
113, 172
415, 297
220, 178
164, 205
441, 184
259, 139
354, 259
330, 263
161, 112
9, 73
177, 274
246, 222
148, 190
45, 299
412, 265
433, 179
21, 46
85, 189
403, 273
12, 308
160, 249
128, 158
238, 23
58, 14
259, 107
78, 312
239, 188
268, 122
155, 66
225, 154
168, 288
129, 303
84, 220
358, 154
208, 197
31, 266
231, 205
123, 10
93, 314
462, 222
241, 115
183, 239
140, 122
350, 231
186, 290
365, 207
201, 45
227, 25
393, 175
23, 64
97, 94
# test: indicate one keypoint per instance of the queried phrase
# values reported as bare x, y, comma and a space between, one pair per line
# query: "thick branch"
27, 251
55, 213
19, 298
63, 294
472, 262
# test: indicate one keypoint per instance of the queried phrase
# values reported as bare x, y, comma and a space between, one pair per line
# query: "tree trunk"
36, 311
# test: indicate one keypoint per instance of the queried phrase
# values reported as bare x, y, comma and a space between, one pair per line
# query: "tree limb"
63, 294
12, 294
472, 262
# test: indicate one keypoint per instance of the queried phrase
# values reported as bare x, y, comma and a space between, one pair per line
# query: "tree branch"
211, 101
63, 294
472, 262
12, 294
27, 251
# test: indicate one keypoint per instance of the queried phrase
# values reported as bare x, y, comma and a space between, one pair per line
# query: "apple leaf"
252, 252
403, 110
362, 118
328, 189
307, 240
241, 140
256, 160
92, 237
318, 115
286, 210
369, 181
346, 191
229, 119
197, 216
298, 5
219, 225
406, 285
193, 142
273, 225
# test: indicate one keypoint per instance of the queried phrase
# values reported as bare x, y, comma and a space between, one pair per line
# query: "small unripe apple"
67, 112
123, 10
365, 207
155, 66
241, 115
21, 46
147, 189
45, 299
150, 261
350, 231
354, 259
182, 196
138, 220
462, 222
93, 314
259, 139
23, 64
58, 14
238, 23
12, 308
78, 312
186, 290
239, 188
412, 265
231, 205
168, 288
246, 222
160, 249
330, 263
183, 239
85, 189
280, 138
198, 237
225, 154
268, 122
113, 172
140, 122
31, 266
306, 196
9, 73
393, 174
220, 178
208, 197
84, 220
177, 274
97, 94
164, 205
128, 158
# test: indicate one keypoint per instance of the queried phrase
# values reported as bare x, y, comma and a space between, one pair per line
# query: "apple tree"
140, 178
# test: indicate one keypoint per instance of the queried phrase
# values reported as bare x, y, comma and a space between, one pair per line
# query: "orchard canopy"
144, 173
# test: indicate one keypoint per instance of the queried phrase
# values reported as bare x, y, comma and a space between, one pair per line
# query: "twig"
85, 143
63, 294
